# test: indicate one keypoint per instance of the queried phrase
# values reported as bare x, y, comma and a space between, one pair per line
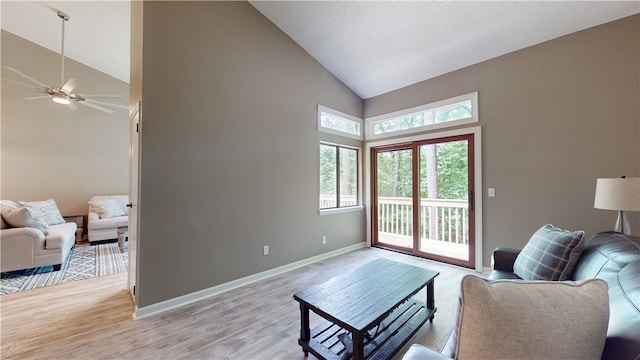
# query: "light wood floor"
91, 319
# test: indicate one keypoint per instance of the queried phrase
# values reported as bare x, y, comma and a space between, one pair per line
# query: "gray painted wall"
229, 148
50, 151
554, 117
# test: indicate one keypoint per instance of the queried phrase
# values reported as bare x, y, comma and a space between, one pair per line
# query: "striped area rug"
84, 262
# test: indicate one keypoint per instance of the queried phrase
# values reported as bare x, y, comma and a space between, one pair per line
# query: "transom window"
450, 112
335, 122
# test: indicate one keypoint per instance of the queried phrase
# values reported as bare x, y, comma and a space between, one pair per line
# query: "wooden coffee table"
370, 312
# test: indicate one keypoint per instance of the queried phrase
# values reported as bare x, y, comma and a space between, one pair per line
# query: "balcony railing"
329, 201
440, 219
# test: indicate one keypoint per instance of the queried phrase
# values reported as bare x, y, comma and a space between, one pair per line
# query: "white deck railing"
440, 219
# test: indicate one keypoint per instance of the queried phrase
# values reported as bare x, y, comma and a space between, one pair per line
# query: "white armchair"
107, 218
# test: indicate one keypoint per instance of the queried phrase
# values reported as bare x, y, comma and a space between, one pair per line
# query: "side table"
123, 234
79, 220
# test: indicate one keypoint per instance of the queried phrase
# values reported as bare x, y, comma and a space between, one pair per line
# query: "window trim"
473, 97
359, 182
358, 122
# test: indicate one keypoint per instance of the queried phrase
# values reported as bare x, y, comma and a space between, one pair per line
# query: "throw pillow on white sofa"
107, 208
46, 211
21, 217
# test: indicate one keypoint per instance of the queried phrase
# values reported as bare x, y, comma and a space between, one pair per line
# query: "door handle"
471, 201
129, 205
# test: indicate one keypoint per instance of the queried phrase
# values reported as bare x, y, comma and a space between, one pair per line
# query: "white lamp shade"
622, 194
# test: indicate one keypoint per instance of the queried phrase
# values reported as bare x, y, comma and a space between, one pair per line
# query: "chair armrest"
30, 232
19, 245
419, 352
504, 258
92, 216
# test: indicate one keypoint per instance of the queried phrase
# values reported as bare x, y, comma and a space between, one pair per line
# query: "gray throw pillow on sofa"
550, 254
512, 319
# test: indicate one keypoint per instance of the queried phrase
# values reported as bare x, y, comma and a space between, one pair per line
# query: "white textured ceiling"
97, 33
375, 47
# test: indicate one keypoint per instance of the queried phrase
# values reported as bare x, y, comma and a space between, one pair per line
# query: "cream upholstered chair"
106, 217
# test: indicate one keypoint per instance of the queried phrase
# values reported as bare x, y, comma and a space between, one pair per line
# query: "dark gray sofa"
612, 257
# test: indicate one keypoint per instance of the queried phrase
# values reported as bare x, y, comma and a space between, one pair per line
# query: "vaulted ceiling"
97, 33
378, 46
373, 47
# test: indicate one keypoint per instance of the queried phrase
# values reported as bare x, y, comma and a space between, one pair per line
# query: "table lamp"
620, 194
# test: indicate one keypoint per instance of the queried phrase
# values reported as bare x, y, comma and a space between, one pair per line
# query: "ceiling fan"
63, 94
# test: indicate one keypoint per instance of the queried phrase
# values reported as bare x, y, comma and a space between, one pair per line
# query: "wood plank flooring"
92, 319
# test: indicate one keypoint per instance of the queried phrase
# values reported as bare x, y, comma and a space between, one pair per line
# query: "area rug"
84, 262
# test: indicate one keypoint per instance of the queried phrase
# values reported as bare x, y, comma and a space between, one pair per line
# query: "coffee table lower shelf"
385, 340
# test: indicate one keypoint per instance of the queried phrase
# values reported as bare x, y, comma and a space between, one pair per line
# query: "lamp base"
622, 225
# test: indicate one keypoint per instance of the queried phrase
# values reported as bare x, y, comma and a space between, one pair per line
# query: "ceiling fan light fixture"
61, 99
64, 94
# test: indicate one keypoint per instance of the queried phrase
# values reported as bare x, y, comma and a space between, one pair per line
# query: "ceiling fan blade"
25, 76
102, 96
19, 83
69, 85
38, 97
96, 107
72, 105
106, 104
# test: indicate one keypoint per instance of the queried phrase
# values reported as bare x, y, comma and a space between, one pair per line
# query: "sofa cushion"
22, 217
60, 234
615, 258
623, 337
605, 254
107, 208
550, 254
111, 223
511, 319
47, 211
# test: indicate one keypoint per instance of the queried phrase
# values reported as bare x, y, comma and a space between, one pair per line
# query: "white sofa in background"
102, 225
25, 247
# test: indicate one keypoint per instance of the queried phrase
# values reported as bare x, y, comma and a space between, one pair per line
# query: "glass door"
423, 199
446, 199
393, 170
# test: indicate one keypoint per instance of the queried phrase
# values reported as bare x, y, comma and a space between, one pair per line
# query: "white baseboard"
219, 289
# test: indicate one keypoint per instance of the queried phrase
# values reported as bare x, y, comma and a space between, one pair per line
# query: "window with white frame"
454, 111
337, 123
339, 162
338, 176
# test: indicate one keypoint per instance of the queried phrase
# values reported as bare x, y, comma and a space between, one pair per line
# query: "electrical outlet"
265, 250
324, 239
